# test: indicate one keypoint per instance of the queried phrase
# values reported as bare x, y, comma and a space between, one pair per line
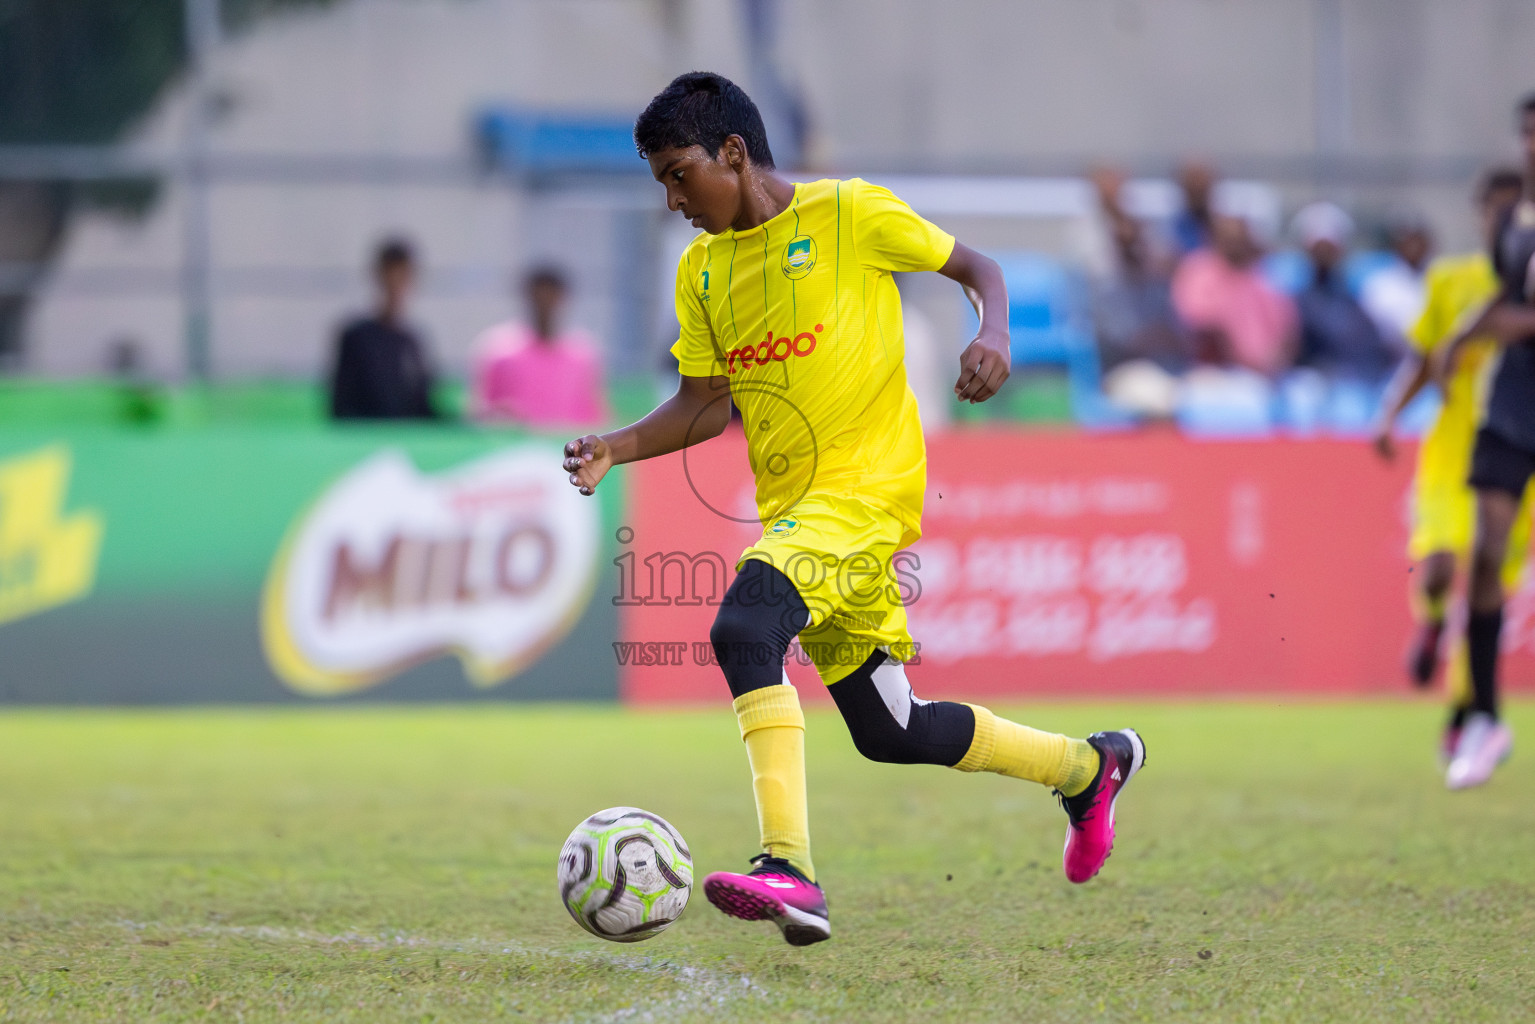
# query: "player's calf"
1423, 654
891, 724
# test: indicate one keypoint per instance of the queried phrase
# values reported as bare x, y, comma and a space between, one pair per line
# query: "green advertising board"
299, 561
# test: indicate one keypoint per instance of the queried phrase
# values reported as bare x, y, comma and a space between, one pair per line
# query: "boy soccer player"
1444, 505
787, 307
1501, 465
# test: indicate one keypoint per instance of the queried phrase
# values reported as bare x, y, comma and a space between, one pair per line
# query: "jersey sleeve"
1429, 330
888, 234
695, 350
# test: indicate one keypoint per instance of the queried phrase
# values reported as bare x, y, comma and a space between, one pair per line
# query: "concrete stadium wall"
1004, 86
1411, 96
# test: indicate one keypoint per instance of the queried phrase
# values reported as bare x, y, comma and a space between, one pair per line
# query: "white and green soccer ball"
625, 874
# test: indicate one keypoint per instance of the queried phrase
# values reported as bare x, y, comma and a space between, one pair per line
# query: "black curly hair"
701, 108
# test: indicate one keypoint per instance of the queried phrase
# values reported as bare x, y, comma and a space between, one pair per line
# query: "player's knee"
882, 739
890, 724
731, 623
1486, 565
1438, 574
742, 635
934, 733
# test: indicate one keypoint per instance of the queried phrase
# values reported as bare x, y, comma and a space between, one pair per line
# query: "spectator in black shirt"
381, 371
1337, 335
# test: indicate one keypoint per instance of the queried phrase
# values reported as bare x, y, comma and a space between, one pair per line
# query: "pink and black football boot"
1484, 744
773, 890
1090, 832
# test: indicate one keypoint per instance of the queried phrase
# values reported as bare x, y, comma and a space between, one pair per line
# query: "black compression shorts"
1497, 464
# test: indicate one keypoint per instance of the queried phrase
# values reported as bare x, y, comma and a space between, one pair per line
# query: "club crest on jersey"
784, 527
798, 257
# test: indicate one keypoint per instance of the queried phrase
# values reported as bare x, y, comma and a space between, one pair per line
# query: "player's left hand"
984, 367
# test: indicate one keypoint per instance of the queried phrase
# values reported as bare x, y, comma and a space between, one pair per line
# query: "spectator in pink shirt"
539, 375
1237, 318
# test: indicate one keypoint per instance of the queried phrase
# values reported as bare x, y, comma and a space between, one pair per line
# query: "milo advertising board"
298, 564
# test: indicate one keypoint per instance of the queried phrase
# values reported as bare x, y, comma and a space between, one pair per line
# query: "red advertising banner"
1064, 565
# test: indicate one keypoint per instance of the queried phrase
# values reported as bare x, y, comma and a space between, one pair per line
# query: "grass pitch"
1275, 862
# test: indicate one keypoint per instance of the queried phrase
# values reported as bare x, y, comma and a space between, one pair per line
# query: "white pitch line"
704, 991
701, 989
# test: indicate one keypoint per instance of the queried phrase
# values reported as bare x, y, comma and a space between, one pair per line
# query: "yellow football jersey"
803, 317
1455, 287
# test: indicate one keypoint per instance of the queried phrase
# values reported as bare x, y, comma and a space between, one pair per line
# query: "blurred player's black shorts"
1497, 464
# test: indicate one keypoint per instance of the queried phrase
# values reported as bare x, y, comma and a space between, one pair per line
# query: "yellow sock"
773, 727
1048, 758
1457, 675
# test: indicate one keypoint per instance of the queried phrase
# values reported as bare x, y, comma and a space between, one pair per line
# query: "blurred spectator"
1238, 320
1194, 225
1337, 336
1133, 310
1393, 295
540, 374
381, 371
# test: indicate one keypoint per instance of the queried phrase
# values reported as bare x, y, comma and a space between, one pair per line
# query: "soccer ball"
625, 874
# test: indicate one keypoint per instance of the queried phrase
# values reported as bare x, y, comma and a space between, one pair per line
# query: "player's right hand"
984, 367
1383, 443
587, 460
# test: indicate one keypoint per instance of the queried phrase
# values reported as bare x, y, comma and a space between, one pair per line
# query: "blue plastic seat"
1290, 270
547, 142
1312, 403
1420, 413
1227, 405
1351, 406
1050, 323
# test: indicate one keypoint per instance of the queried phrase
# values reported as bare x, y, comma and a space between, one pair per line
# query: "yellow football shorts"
841, 554
1444, 518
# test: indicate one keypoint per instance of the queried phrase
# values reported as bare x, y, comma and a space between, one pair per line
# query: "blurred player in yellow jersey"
1443, 504
788, 310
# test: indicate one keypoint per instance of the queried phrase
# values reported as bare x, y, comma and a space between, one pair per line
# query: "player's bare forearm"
1410, 378
1509, 323
1505, 322
987, 361
698, 411
1501, 320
